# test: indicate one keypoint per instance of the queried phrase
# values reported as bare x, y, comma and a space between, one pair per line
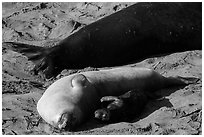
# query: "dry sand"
44, 24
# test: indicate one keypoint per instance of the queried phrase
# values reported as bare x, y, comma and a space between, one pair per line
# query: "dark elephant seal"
134, 33
122, 108
71, 100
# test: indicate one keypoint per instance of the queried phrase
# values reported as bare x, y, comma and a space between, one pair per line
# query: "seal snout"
63, 121
67, 121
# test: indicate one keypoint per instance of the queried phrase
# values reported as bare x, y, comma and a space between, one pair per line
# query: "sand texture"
179, 111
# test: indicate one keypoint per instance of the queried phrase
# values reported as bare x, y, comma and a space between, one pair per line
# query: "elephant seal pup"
137, 32
124, 107
71, 100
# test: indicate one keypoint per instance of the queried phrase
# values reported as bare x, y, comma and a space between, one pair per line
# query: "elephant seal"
137, 32
122, 108
71, 100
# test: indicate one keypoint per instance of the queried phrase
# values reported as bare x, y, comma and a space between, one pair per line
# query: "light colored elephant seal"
71, 100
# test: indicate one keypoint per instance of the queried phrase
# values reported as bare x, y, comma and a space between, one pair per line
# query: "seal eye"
98, 114
105, 116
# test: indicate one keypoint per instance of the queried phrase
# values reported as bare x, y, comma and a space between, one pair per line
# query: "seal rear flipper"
40, 56
188, 80
178, 80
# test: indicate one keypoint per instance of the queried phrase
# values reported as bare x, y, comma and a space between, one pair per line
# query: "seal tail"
40, 56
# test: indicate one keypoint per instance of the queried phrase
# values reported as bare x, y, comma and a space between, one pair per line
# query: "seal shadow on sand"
150, 107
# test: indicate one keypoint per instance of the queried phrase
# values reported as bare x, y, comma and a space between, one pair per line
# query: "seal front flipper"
42, 57
106, 100
109, 98
117, 104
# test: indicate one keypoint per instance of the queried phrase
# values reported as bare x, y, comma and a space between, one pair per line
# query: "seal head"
102, 114
65, 104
